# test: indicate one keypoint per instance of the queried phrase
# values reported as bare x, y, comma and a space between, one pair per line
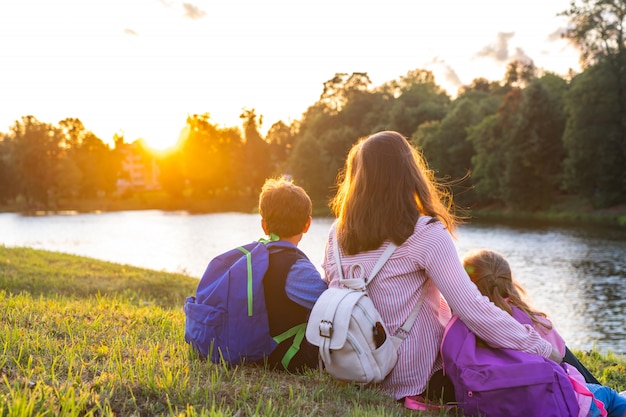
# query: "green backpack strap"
298, 331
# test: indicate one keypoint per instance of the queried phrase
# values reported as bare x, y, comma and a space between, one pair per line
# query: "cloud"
449, 74
130, 32
193, 12
499, 51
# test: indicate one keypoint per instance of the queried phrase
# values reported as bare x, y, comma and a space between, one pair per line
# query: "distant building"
140, 170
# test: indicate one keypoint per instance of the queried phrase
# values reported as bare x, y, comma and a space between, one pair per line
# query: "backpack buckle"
326, 329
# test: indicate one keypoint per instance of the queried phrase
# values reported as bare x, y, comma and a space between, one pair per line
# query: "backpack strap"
361, 284
403, 331
297, 331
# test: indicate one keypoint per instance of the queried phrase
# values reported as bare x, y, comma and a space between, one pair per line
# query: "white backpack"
352, 337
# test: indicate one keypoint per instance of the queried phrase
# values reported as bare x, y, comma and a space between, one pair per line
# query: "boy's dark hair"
284, 206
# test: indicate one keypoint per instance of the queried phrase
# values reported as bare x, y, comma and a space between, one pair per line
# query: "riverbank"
96, 338
566, 211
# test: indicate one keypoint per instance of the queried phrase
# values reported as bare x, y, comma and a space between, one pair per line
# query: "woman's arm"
492, 324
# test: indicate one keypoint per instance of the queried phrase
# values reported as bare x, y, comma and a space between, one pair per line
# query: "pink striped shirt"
429, 253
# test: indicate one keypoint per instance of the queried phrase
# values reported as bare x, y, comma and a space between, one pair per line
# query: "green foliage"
347, 111
417, 100
596, 27
533, 151
446, 146
487, 162
595, 136
208, 154
609, 369
257, 161
47, 163
523, 142
316, 162
33, 151
280, 138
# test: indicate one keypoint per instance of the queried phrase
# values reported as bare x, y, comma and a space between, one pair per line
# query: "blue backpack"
227, 318
503, 382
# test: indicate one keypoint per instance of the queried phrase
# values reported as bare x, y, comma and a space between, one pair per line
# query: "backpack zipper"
354, 344
367, 316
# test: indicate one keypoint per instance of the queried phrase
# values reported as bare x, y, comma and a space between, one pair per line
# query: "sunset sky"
139, 67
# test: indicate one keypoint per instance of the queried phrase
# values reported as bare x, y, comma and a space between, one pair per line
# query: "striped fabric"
430, 253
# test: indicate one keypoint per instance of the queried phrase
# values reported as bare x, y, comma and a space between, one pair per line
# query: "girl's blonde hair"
384, 188
491, 273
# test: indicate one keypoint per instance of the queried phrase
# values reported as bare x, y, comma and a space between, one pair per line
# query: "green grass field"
81, 337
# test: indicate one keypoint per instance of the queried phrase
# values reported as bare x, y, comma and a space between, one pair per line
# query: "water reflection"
576, 275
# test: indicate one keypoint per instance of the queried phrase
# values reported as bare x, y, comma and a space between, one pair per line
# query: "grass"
81, 337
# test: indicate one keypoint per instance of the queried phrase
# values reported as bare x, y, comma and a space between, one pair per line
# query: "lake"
577, 275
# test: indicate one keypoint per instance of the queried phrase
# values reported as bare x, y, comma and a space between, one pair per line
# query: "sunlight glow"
141, 66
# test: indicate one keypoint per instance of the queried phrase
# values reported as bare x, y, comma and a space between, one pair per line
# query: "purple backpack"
227, 317
503, 382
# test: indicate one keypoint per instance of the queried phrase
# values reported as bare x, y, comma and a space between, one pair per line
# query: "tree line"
522, 141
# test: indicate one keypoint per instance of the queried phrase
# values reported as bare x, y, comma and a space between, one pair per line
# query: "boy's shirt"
304, 283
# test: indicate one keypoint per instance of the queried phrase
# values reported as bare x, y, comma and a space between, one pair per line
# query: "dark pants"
573, 360
439, 389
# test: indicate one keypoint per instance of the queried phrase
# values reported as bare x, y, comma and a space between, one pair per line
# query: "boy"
292, 284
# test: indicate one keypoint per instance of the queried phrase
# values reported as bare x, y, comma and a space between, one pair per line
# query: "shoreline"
567, 211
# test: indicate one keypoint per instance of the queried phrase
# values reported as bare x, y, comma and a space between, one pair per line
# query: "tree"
594, 138
597, 29
595, 135
98, 163
519, 73
211, 157
258, 165
445, 144
72, 132
534, 151
337, 90
8, 179
316, 162
69, 177
171, 173
417, 99
487, 162
280, 139
34, 152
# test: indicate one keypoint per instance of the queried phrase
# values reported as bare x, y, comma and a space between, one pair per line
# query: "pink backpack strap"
415, 402
582, 392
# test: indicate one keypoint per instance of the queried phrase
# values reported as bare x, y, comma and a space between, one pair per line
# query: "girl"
388, 194
492, 275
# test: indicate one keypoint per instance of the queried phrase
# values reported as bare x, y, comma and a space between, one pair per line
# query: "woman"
388, 194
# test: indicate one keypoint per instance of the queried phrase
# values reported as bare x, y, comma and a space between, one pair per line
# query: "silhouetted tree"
280, 138
34, 148
211, 157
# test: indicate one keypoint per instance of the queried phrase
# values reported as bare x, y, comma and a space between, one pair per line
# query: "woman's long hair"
491, 273
383, 189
